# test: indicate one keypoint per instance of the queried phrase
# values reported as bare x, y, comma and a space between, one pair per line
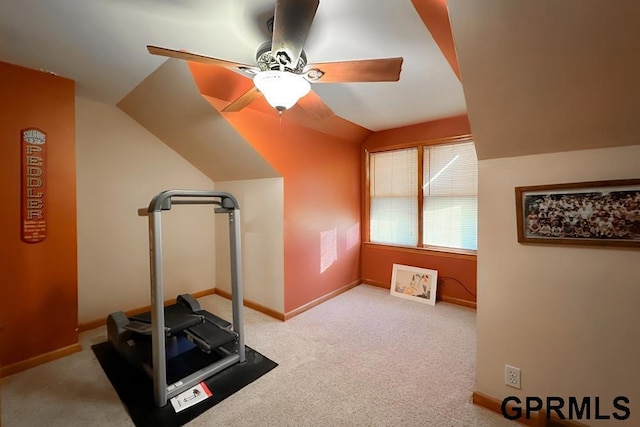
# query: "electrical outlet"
512, 376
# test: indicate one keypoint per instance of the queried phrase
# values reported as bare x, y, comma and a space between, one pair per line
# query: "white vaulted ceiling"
101, 44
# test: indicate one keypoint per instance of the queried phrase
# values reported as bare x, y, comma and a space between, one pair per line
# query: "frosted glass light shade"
281, 89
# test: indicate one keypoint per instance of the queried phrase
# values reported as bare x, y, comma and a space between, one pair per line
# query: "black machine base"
193, 337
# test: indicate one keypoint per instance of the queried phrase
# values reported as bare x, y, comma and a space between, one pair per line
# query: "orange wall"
377, 260
437, 129
321, 191
38, 301
435, 16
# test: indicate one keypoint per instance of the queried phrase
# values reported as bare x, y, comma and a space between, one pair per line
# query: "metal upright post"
236, 279
157, 310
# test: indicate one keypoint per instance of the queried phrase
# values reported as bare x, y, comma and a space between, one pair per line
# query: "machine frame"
164, 201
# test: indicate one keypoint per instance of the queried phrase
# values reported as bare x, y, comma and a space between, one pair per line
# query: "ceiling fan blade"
244, 100
180, 54
368, 70
315, 106
292, 21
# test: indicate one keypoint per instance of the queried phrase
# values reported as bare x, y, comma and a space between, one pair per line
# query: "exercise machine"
181, 345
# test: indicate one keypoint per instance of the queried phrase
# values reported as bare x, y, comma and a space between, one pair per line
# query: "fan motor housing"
267, 61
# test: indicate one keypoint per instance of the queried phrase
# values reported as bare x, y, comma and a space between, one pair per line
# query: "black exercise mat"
135, 388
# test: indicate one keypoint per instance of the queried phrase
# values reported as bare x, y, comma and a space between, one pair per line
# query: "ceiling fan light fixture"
282, 89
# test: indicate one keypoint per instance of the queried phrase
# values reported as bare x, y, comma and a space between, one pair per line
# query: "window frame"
421, 145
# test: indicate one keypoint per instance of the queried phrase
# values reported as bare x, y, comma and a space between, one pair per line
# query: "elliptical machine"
180, 345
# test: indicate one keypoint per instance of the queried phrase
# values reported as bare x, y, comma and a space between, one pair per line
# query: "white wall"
261, 211
568, 316
120, 167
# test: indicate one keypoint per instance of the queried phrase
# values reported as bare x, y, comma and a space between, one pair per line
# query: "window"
394, 195
442, 179
450, 196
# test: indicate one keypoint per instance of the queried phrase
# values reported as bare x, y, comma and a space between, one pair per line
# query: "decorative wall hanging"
586, 213
34, 185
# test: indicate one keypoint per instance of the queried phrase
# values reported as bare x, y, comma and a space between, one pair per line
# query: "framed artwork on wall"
600, 213
414, 283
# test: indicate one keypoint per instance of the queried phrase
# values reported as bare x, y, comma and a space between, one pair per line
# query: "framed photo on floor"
414, 283
599, 213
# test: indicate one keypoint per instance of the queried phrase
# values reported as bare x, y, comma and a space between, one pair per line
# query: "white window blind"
450, 190
394, 197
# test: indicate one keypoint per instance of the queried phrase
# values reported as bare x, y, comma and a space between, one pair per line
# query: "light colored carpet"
364, 358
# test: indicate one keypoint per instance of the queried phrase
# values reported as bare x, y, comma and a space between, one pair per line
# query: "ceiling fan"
282, 74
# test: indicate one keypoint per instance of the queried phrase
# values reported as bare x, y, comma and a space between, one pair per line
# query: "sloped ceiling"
170, 106
100, 44
543, 76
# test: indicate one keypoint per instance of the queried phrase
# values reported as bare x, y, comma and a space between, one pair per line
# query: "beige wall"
544, 76
567, 316
120, 167
261, 213
169, 104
